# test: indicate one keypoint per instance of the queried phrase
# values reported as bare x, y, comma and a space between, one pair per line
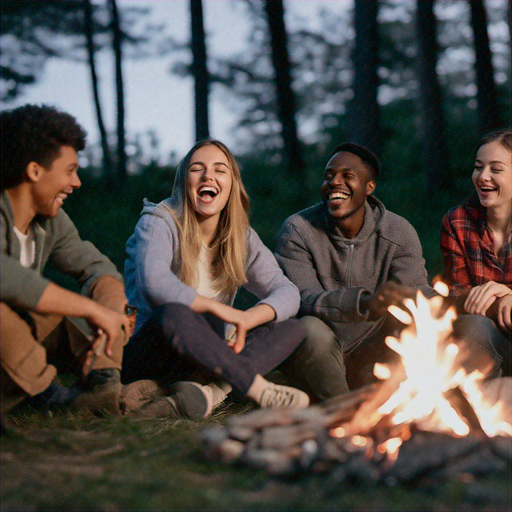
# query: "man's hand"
112, 324
480, 298
59, 301
387, 294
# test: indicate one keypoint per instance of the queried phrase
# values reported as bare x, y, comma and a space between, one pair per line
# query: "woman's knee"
482, 338
294, 328
174, 316
477, 329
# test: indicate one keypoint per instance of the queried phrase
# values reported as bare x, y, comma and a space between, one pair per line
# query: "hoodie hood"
162, 209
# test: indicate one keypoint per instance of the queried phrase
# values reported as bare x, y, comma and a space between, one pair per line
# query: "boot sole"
190, 399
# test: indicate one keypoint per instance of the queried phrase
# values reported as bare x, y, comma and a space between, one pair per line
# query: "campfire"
427, 417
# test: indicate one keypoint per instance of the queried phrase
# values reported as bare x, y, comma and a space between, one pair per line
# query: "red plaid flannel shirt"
467, 247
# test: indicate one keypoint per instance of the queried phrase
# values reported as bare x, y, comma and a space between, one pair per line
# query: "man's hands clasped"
387, 294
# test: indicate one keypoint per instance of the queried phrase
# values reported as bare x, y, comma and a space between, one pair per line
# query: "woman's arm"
469, 299
501, 311
480, 298
266, 280
151, 252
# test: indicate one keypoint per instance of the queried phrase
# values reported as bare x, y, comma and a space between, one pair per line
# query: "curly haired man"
42, 329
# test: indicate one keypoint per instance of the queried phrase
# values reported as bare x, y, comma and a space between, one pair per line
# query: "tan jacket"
57, 242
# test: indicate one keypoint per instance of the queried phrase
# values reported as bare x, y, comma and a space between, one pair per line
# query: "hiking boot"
162, 407
100, 394
138, 393
285, 397
54, 398
187, 400
193, 400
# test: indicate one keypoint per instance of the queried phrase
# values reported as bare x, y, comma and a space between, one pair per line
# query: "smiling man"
350, 259
38, 335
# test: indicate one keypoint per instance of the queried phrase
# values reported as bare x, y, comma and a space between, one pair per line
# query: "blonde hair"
230, 238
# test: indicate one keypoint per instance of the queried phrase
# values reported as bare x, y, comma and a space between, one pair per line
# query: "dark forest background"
417, 81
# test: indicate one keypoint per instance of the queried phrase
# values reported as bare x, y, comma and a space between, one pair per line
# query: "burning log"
290, 442
341, 409
460, 403
428, 452
501, 446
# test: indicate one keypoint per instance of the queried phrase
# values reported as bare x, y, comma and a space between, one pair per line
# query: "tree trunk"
433, 132
89, 35
199, 70
286, 102
363, 116
488, 111
117, 42
509, 22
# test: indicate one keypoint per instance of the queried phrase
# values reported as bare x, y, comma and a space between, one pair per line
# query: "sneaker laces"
278, 396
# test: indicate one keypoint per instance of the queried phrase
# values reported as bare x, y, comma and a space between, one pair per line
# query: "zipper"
350, 258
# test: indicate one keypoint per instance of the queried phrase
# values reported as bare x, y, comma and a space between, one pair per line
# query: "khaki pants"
34, 346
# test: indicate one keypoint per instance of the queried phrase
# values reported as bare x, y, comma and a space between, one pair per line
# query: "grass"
72, 462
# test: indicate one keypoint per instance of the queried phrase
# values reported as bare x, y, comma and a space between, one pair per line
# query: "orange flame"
431, 371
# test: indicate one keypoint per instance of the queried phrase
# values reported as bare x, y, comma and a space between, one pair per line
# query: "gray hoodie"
151, 268
332, 272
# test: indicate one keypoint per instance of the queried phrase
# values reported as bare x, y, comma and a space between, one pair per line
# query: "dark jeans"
321, 368
176, 343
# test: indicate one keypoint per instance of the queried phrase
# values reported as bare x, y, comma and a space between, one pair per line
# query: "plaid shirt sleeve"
468, 249
456, 270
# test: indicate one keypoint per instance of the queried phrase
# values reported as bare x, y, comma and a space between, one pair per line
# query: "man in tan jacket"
40, 331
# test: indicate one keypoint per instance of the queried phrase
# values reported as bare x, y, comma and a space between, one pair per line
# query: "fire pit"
428, 417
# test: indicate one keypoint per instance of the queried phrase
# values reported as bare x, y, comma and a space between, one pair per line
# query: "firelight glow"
431, 371
381, 371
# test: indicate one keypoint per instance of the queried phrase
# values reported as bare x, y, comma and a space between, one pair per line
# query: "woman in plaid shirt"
476, 245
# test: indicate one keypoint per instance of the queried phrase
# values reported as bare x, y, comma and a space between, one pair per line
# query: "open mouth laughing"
207, 193
336, 196
487, 189
60, 198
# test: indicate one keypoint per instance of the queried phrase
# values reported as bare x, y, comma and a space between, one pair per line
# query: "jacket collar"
7, 211
374, 211
38, 225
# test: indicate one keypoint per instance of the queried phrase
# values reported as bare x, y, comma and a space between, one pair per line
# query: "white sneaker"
284, 397
218, 390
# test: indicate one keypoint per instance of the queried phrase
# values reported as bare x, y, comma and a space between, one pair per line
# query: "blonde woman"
476, 240
186, 260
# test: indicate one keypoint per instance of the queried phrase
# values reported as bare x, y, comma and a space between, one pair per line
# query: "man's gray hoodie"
332, 272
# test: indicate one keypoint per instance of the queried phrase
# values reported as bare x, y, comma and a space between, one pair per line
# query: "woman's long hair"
230, 238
